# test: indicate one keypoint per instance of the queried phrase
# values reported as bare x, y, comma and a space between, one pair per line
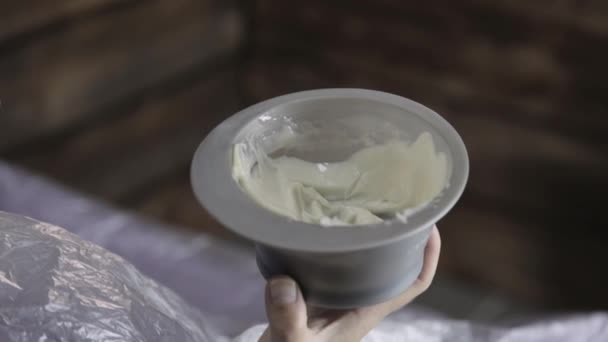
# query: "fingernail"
283, 291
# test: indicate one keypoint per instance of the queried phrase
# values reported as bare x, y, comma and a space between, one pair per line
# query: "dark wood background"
111, 97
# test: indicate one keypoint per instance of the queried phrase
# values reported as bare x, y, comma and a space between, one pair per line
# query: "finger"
360, 321
429, 268
425, 278
286, 311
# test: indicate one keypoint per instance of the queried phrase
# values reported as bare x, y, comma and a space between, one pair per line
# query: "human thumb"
286, 311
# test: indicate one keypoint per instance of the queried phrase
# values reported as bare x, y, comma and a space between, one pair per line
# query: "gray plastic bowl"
336, 267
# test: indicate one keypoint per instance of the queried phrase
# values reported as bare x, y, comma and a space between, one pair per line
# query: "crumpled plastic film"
56, 287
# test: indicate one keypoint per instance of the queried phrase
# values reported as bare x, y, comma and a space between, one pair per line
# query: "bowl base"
344, 300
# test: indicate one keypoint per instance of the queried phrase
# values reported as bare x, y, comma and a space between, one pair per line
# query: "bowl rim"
223, 198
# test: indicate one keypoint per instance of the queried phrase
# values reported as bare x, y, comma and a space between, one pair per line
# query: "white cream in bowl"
376, 183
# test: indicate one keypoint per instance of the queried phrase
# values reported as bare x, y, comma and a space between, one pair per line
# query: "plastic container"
338, 266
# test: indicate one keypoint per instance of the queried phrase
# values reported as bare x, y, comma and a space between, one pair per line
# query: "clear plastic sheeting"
56, 287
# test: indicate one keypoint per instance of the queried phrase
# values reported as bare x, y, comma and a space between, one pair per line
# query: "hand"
291, 321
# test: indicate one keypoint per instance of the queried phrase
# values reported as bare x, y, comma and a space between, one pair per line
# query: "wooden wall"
524, 82
112, 97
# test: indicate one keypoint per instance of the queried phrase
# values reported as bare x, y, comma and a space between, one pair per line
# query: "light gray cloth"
416, 326
55, 287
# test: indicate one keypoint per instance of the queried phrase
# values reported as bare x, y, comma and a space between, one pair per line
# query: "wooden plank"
18, 17
272, 73
397, 23
588, 17
70, 77
529, 69
512, 258
532, 88
545, 73
474, 243
141, 144
557, 182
